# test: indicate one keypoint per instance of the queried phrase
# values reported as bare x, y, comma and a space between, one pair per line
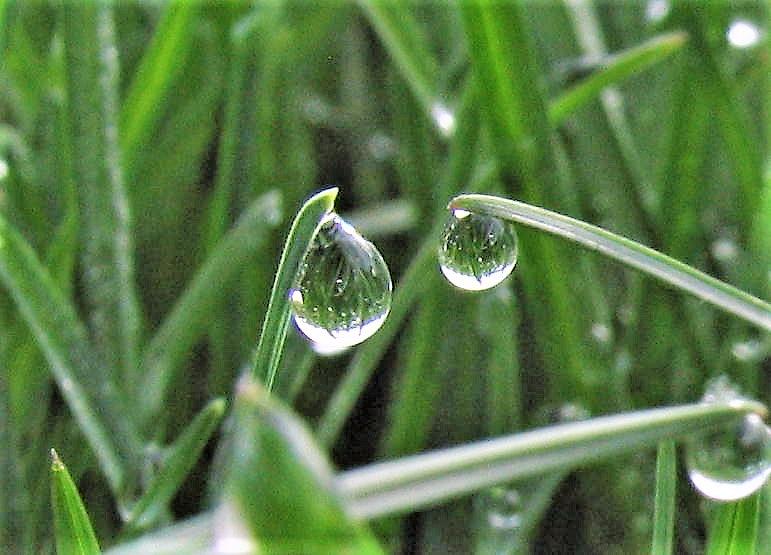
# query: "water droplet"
503, 508
477, 252
343, 292
743, 34
443, 118
3, 169
725, 249
730, 462
748, 351
381, 147
601, 333
656, 10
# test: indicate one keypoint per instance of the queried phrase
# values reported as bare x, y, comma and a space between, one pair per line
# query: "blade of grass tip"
664, 507
188, 320
179, 461
401, 36
93, 400
161, 64
630, 253
267, 356
618, 67
734, 527
72, 527
92, 76
422, 480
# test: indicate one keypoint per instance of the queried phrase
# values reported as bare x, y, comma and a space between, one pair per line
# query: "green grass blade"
645, 259
72, 527
92, 113
422, 480
188, 320
194, 536
182, 456
734, 527
271, 344
619, 67
402, 39
92, 398
147, 96
666, 489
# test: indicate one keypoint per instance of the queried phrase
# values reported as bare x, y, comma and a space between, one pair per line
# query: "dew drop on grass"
503, 508
343, 291
477, 252
730, 462
743, 34
656, 10
443, 118
498, 513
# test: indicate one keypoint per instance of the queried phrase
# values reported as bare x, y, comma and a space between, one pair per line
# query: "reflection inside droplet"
743, 34
444, 118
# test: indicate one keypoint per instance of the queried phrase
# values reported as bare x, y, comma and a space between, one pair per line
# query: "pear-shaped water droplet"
343, 291
477, 251
729, 462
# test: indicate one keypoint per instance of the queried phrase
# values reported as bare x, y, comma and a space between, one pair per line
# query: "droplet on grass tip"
476, 251
343, 291
730, 462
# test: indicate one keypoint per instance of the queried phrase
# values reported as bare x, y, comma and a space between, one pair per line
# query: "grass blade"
92, 112
656, 264
181, 457
271, 344
190, 537
93, 400
734, 527
74, 534
619, 67
664, 512
188, 320
413, 482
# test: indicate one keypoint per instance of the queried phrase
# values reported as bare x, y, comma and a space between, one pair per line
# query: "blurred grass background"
134, 136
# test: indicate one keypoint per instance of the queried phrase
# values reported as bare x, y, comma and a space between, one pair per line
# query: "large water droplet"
343, 292
730, 462
476, 251
743, 34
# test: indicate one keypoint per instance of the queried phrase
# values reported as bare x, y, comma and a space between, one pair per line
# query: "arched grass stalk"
631, 253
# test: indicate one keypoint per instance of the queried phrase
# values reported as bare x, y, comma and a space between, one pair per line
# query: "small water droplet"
748, 351
477, 252
656, 10
501, 508
730, 462
601, 333
725, 249
343, 293
742, 33
381, 147
3, 169
443, 118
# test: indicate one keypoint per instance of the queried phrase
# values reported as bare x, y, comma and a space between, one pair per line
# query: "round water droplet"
503, 508
477, 252
443, 118
343, 292
656, 10
743, 34
730, 462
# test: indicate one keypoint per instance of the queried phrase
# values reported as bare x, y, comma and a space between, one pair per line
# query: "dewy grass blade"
92, 75
666, 489
645, 259
182, 456
72, 527
188, 319
411, 483
271, 344
92, 398
619, 67
734, 527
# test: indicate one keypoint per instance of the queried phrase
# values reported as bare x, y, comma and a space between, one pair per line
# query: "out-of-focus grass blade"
628, 252
280, 487
422, 480
271, 344
402, 39
161, 64
734, 528
91, 71
72, 527
619, 67
190, 315
666, 489
190, 537
181, 457
92, 398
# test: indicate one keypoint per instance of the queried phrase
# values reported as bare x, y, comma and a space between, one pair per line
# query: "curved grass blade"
194, 536
619, 67
189, 318
423, 480
664, 511
92, 398
179, 461
654, 263
266, 358
734, 527
72, 527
